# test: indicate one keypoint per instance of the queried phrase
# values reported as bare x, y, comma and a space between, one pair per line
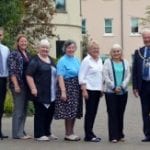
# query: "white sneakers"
53, 137
43, 138
46, 138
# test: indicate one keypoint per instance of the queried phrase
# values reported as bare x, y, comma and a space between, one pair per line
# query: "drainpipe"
80, 8
122, 25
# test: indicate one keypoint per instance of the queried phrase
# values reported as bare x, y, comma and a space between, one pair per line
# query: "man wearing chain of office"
141, 80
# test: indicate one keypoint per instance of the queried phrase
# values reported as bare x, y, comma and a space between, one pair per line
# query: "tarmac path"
132, 129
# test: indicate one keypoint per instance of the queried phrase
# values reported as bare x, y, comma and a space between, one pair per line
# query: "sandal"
25, 137
72, 137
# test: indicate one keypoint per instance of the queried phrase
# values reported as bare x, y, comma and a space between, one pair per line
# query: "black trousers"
43, 119
91, 105
3, 82
116, 105
145, 103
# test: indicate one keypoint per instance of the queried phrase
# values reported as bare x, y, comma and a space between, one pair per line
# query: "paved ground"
133, 131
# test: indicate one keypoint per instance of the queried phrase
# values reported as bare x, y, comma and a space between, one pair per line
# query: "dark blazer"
137, 69
17, 66
41, 73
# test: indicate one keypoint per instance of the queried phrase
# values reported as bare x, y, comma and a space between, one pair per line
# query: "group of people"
57, 91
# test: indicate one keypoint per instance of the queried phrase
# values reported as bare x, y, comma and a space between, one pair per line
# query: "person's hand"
135, 92
85, 94
63, 96
34, 92
117, 90
17, 89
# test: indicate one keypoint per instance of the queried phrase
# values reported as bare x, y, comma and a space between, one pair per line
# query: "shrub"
8, 107
30, 110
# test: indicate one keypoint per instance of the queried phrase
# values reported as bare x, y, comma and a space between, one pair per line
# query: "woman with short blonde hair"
41, 77
116, 74
90, 79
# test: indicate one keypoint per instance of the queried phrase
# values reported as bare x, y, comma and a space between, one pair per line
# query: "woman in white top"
116, 74
90, 79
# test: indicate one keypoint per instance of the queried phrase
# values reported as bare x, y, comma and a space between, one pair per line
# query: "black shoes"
3, 136
94, 139
147, 139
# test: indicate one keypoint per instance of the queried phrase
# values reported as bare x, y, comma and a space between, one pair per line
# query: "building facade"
114, 21
67, 22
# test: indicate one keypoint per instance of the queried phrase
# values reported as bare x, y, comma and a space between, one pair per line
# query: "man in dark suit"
141, 81
4, 52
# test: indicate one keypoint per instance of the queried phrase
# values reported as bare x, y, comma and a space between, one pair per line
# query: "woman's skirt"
72, 107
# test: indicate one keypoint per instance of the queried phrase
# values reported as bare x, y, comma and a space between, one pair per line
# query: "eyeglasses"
116, 51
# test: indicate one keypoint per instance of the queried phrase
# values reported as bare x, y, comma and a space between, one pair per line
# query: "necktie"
147, 64
1, 64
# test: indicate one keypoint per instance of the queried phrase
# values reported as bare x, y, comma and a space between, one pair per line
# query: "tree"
36, 21
10, 18
146, 19
85, 42
31, 17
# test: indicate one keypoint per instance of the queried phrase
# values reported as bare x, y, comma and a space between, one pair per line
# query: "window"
59, 46
108, 26
60, 5
134, 25
83, 26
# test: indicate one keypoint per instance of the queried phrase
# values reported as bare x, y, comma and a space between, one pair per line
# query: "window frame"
84, 31
60, 10
111, 27
131, 26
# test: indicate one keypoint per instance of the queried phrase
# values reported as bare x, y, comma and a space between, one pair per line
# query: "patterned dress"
72, 107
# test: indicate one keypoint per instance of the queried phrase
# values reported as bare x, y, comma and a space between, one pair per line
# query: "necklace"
146, 60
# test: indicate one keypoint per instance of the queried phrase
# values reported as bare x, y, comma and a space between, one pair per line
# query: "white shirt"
90, 73
5, 52
53, 86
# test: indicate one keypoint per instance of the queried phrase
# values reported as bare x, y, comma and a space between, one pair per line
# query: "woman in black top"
41, 78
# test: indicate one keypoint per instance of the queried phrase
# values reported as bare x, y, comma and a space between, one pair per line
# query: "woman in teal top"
68, 104
119, 71
116, 73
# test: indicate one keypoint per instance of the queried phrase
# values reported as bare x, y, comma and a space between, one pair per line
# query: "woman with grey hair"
116, 74
41, 78
68, 100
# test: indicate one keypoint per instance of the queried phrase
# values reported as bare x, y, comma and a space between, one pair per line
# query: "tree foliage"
31, 17
10, 18
36, 21
146, 19
85, 43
